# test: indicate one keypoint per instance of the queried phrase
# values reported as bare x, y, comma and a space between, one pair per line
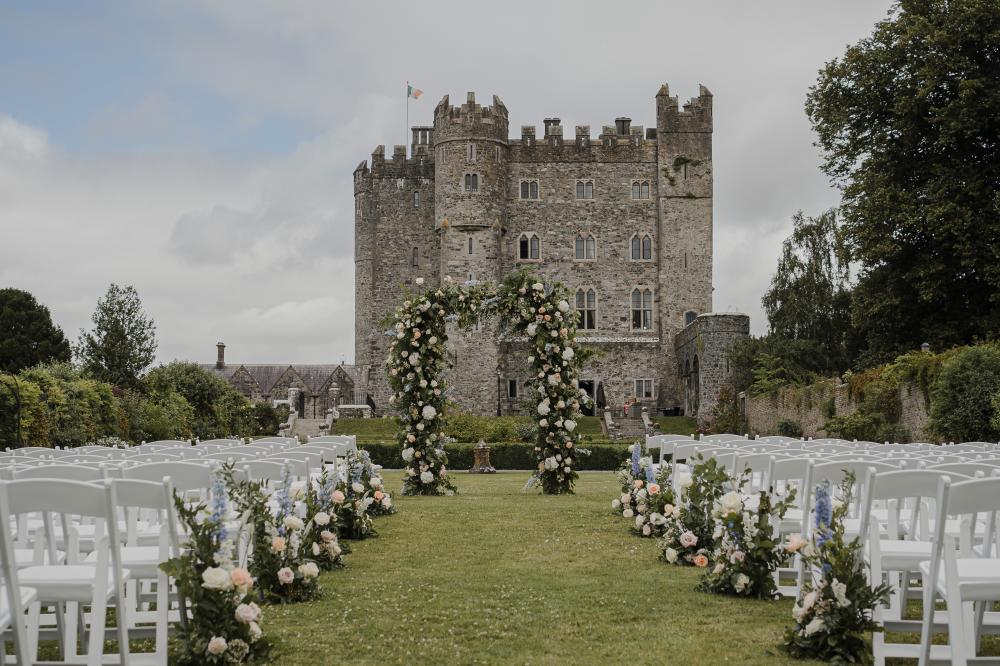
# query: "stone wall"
810, 408
702, 361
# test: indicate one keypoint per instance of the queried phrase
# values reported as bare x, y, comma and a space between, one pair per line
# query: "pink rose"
795, 542
637, 483
286, 576
719, 568
688, 539
327, 536
217, 645
626, 498
646, 530
337, 496
241, 578
378, 495
737, 557
245, 614
654, 488
278, 544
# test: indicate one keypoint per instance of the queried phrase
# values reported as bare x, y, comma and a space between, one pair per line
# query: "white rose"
616, 504
568, 354
426, 477
554, 333
569, 424
216, 578
309, 570
671, 555
543, 423
554, 378
408, 454
357, 487
419, 281
731, 502
543, 408
742, 580
563, 306
428, 412
685, 480
531, 330
627, 513
639, 520
255, 632
814, 626
840, 593
217, 645
537, 286
293, 523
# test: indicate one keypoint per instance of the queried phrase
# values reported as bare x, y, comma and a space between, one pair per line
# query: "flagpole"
406, 130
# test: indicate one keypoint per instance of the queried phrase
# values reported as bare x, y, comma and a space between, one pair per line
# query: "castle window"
528, 247
644, 388
470, 244
640, 189
642, 248
416, 199
512, 388
415, 261
585, 247
529, 189
586, 307
471, 152
642, 309
472, 182
584, 189
689, 317
498, 153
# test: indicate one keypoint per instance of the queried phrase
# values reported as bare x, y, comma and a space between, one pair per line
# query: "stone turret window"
512, 389
470, 153
470, 246
642, 309
472, 182
644, 389
586, 306
642, 247
416, 199
689, 317
528, 247
640, 189
584, 189
415, 261
529, 189
585, 247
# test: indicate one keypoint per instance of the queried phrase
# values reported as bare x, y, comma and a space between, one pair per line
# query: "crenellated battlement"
470, 120
695, 116
421, 165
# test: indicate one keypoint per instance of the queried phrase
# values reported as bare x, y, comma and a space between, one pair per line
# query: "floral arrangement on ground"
689, 531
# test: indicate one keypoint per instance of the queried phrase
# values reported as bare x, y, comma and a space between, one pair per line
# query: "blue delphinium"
650, 475
284, 500
824, 513
635, 460
220, 505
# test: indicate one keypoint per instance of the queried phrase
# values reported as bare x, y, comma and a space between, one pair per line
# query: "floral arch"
530, 310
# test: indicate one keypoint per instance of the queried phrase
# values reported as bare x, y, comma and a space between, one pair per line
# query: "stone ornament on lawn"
527, 309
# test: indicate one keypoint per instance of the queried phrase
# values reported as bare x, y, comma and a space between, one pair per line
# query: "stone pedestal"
481, 460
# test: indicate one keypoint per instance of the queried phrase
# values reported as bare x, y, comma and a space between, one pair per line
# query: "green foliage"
789, 428
164, 415
765, 364
604, 455
726, 412
219, 410
866, 427
962, 407
122, 343
79, 410
907, 120
27, 335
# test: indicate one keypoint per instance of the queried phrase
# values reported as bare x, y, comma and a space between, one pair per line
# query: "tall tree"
123, 341
27, 335
908, 121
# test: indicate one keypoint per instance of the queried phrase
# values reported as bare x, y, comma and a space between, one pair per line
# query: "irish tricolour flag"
415, 93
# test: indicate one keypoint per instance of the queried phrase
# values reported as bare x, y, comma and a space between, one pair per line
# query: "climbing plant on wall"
529, 312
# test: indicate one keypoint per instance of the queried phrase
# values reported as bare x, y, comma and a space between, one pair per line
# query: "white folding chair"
14, 598
966, 575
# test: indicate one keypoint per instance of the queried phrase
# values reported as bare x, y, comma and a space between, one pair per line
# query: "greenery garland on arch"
529, 310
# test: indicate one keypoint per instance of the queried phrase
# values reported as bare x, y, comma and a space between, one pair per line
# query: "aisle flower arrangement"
361, 469
351, 501
276, 560
834, 612
689, 530
646, 495
528, 309
320, 540
225, 622
746, 556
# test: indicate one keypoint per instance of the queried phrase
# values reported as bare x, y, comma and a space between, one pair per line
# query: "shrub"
603, 456
789, 428
726, 412
961, 396
866, 427
218, 409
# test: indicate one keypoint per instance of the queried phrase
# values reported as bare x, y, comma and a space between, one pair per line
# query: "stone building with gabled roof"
320, 387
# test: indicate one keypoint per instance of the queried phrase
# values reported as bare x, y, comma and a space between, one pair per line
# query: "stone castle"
623, 219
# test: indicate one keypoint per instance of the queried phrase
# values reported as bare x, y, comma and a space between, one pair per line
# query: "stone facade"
702, 364
473, 203
809, 407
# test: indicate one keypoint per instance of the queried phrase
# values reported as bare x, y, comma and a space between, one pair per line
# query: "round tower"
470, 192
470, 186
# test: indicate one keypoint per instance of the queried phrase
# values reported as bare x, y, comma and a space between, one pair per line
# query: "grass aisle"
494, 575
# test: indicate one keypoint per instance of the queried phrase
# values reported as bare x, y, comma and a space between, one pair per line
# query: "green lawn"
495, 575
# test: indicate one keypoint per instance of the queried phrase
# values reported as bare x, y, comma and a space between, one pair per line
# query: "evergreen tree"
123, 341
27, 335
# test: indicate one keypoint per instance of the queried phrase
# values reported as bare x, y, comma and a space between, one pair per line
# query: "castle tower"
471, 155
684, 168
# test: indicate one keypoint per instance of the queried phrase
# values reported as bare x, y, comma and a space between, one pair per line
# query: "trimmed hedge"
603, 456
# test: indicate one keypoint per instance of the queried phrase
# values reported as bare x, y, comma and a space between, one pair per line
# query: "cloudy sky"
203, 151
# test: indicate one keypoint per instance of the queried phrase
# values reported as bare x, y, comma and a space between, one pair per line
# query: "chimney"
220, 361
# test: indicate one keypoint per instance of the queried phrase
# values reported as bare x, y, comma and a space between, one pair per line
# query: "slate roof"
267, 374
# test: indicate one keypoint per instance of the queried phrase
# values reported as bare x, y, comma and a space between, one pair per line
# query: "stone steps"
307, 427
629, 428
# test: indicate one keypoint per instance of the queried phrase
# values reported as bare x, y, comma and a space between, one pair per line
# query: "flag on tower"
415, 93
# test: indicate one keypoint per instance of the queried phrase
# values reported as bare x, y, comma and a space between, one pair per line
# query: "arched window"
642, 309
585, 247
529, 189
640, 189
472, 182
584, 189
415, 261
416, 199
528, 247
642, 247
586, 306
689, 317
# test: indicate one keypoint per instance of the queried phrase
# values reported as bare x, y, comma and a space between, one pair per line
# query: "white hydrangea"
428, 412
569, 425
538, 286
408, 454
426, 477
543, 408
568, 354
563, 306
531, 330
357, 487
